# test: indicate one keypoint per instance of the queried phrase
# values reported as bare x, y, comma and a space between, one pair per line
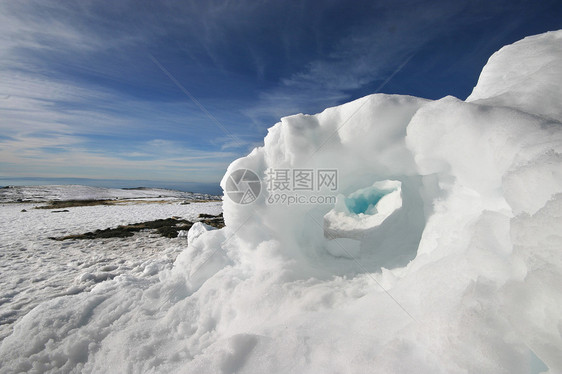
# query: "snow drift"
442, 253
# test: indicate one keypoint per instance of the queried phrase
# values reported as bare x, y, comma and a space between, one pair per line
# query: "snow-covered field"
34, 268
441, 254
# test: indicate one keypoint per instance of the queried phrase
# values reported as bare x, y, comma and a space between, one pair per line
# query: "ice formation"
363, 210
442, 253
198, 229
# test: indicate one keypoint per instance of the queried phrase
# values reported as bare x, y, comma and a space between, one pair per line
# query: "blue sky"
173, 91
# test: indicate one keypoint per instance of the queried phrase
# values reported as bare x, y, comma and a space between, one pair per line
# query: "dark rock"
204, 215
213, 220
166, 227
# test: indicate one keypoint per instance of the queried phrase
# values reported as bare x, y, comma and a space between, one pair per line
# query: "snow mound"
524, 75
198, 229
440, 252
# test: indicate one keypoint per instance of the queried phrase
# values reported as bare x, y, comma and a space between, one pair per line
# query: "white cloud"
33, 156
57, 104
51, 125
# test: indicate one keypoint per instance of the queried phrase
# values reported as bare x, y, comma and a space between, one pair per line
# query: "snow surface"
524, 75
462, 276
198, 229
34, 268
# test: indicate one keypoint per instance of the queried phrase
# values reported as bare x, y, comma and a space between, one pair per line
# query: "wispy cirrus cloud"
65, 156
365, 55
79, 85
52, 122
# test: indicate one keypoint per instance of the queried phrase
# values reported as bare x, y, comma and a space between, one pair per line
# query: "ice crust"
462, 275
525, 76
361, 212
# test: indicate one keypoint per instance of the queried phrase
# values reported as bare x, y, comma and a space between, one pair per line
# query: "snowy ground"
34, 268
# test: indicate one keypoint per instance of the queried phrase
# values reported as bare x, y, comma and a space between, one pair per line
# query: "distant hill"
79, 192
